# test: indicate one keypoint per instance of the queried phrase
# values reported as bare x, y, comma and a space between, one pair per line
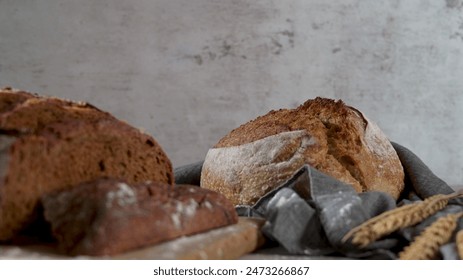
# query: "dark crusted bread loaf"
326, 134
10, 98
108, 216
26, 113
71, 145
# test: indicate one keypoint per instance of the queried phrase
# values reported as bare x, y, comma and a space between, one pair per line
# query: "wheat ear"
400, 217
426, 245
459, 242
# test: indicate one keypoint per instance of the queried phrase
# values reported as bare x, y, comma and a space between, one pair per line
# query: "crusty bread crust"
108, 216
27, 113
345, 145
49, 144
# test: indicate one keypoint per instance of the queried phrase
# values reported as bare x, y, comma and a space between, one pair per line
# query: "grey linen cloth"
311, 212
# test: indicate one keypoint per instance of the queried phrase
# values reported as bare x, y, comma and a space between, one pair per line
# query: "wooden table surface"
231, 242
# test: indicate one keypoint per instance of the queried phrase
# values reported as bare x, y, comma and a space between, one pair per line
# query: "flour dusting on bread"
336, 139
256, 166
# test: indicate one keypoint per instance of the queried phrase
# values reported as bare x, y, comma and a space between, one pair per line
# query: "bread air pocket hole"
149, 143
101, 165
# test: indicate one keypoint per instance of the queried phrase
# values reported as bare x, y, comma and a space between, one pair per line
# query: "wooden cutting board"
229, 242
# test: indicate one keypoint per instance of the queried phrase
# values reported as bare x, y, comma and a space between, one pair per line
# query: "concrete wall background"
190, 71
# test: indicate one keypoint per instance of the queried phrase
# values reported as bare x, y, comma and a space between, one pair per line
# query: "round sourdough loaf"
336, 139
49, 144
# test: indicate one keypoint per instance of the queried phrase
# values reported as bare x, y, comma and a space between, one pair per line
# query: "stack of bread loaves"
48, 145
336, 139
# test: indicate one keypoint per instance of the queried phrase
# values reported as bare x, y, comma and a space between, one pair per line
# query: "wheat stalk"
400, 217
459, 242
426, 245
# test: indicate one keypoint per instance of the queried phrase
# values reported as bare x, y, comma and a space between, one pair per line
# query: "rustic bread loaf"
41, 152
10, 98
109, 216
326, 134
26, 113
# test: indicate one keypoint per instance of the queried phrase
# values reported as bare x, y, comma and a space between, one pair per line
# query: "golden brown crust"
347, 145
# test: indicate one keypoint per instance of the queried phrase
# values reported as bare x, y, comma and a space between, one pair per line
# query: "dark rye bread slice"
326, 134
108, 216
63, 155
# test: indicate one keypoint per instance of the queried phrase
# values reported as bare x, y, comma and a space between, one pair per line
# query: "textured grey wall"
190, 71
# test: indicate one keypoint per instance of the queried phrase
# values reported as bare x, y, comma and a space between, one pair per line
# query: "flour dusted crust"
49, 144
109, 216
339, 141
263, 163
